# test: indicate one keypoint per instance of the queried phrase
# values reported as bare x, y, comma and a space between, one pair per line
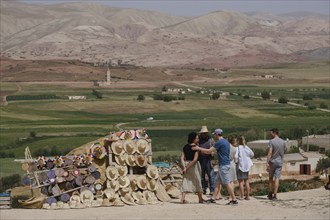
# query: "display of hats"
41, 162
96, 175
89, 179
142, 146
50, 174
150, 197
139, 198
51, 200
86, 197
79, 180
121, 159
142, 182
59, 161
152, 184
113, 184
117, 147
122, 170
141, 160
59, 179
111, 173
129, 146
130, 160
92, 188
126, 135
124, 191
152, 172
98, 151
50, 164
128, 199
123, 181
116, 201
88, 159
133, 182
25, 166
65, 197
56, 191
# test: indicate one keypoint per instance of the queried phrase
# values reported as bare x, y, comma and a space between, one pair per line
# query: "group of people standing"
234, 163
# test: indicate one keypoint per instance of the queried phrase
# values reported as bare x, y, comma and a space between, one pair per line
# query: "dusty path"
307, 204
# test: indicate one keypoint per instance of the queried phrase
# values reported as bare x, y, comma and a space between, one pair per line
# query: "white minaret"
108, 77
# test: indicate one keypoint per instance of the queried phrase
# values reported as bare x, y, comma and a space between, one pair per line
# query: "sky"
200, 7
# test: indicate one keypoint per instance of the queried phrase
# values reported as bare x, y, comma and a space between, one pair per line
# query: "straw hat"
123, 181
173, 191
98, 151
130, 160
142, 146
90, 179
86, 197
122, 170
141, 134
59, 179
59, 172
109, 193
97, 203
41, 162
75, 197
142, 182
117, 147
113, 136
68, 162
65, 197
113, 184
106, 203
152, 172
88, 160
152, 184
150, 197
127, 135
111, 173
25, 166
129, 146
53, 206
70, 177
121, 159
76, 172
141, 160
117, 201
45, 206
128, 199
133, 182
139, 198
124, 191
204, 129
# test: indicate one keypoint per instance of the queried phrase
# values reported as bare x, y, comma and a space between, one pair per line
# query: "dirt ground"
307, 204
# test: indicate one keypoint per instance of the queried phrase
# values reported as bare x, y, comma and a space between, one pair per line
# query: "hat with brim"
129, 146
117, 147
142, 146
173, 191
152, 172
124, 191
141, 160
51, 174
121, 159
90, 179
126, 135
60, 179
68, 162
59, 172
96, 175
130, 160
50, 164
150, 197
133, 182
76, 172
65, 197
111, 173
113, 184
25, 166
141, 134
204, 129
75, 198
106, 203
70, 177
122, 170
142, 182
109, 193
128, 199
116, 201
113, 136
59, 161
152, 184
139, 198
98, 151
123, 181
86, 197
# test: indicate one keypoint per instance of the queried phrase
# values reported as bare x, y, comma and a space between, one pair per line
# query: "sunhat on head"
122, 170
123, 181
129, 146
111, 173
141, 160
204, 129
113, 184
121, 159
142, 146
152, 172
142, 182
130, 160
117, 147
152, 184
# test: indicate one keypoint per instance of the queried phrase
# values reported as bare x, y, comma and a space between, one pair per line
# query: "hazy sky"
199, 7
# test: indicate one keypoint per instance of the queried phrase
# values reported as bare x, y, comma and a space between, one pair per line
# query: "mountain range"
99, 33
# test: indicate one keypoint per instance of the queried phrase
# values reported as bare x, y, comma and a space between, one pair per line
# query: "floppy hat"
96, 175
150, 197
60, 179
124, 191
142, 182
218, 131
173, 191
141, 160
50, 174
117, 201
98, 151
152, 184
139, 198
113, 184
117, 147
122, 170
152, 172
121, 159
129, 146
86, 197
90, 179
142, 146
130, 160
65, 197
128, 199
59, 172
123, 181
109, 194
204, 129
133, 182
111, 173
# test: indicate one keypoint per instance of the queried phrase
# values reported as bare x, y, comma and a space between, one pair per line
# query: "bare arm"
183, 158
205, 151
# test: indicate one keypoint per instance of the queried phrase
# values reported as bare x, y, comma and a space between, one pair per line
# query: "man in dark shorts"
276, 148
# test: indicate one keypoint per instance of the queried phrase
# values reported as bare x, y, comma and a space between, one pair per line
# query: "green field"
68, 124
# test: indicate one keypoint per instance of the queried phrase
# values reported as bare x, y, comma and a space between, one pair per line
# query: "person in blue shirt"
222, 148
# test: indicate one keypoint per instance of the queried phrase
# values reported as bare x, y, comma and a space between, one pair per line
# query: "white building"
77, 97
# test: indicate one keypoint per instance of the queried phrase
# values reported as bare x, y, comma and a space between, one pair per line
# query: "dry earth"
307, 204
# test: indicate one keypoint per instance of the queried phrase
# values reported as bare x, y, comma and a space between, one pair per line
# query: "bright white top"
243, 158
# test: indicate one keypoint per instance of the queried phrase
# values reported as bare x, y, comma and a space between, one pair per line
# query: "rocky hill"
98, 33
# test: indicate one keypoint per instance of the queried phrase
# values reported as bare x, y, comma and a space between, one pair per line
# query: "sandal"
218, 198
211, 201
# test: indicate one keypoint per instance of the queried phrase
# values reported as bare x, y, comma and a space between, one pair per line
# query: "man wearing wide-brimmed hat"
205, 141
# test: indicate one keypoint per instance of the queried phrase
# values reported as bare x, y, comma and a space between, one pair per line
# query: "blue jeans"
207, 169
